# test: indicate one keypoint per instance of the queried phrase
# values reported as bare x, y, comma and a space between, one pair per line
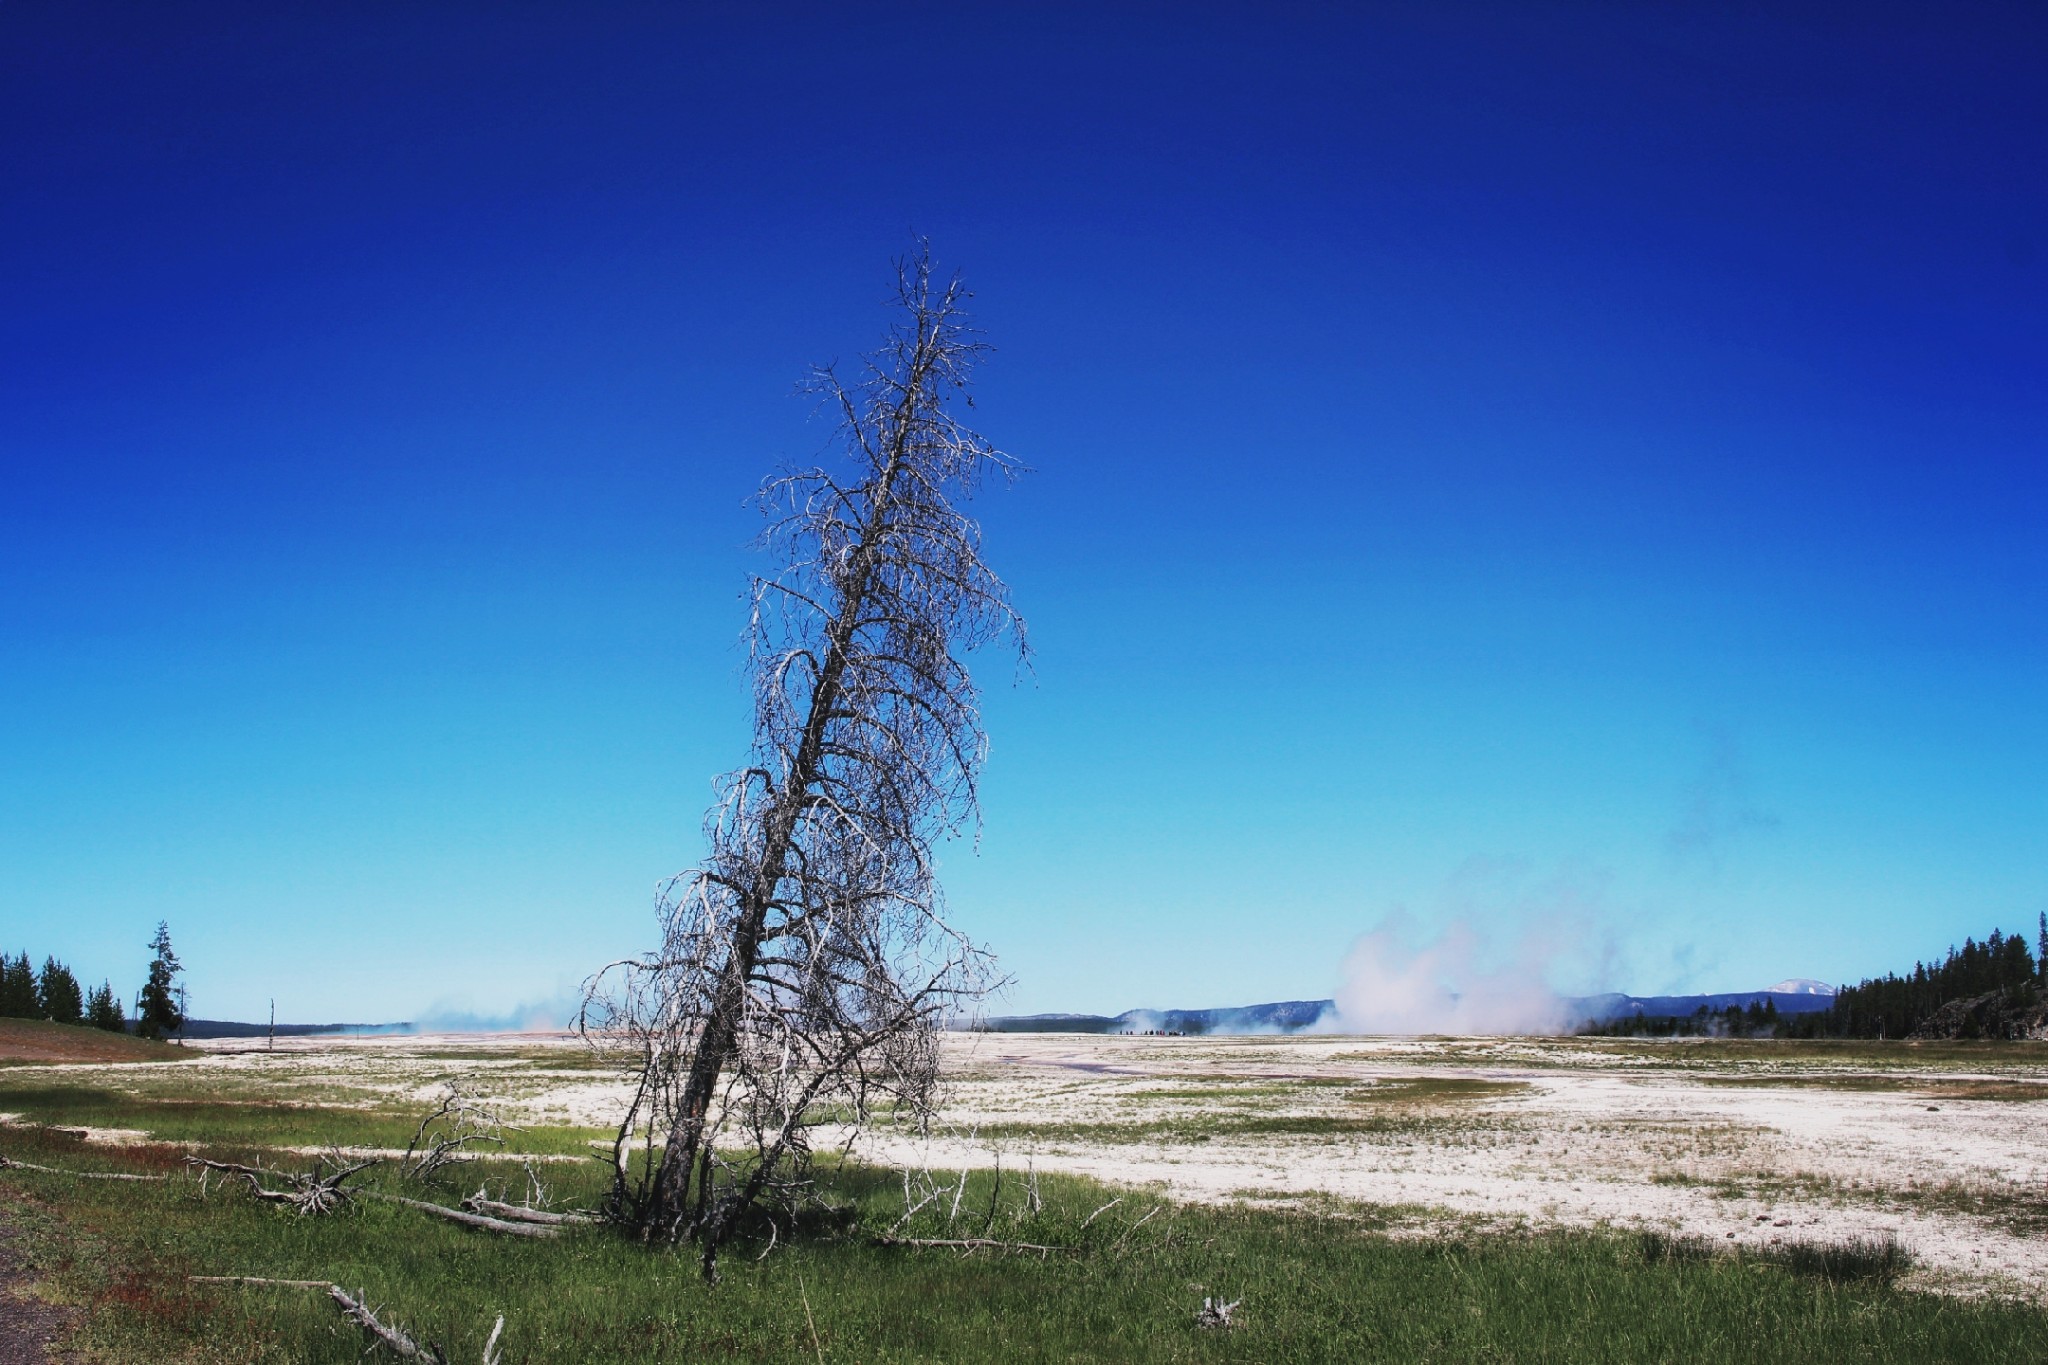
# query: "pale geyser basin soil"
1944, 1147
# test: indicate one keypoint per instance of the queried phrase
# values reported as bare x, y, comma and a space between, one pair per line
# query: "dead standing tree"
806, 966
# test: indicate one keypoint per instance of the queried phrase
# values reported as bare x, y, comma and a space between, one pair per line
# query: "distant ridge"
229, 1028
1801, 985
1797, 996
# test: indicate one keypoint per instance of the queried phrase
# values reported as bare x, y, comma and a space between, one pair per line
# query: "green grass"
170, 1116
1314, 1286
1933, 1087
1318, 1279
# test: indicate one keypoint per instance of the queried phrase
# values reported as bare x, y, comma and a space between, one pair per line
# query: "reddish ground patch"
29, 1328
35, 1040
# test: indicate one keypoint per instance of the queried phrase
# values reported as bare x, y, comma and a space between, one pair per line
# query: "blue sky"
1576, 468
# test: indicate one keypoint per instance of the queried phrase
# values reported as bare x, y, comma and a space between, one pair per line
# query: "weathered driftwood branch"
966, 1244
311, 1193
10, 1164
1104, 1209
518, 1213
360, 1313
471, 1220
406, 1348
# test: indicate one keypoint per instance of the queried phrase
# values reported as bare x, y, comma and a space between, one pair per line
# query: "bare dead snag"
458, 1122
806, 966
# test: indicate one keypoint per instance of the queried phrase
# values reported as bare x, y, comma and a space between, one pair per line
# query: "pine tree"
156, 1004
103, 1010
2041, 957
18, 989
58, 989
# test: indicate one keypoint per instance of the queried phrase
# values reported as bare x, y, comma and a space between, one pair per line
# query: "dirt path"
28, 1327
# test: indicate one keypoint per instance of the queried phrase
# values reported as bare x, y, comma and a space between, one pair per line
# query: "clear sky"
1577, 469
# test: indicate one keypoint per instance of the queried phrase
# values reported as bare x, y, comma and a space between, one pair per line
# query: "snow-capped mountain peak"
1801, 985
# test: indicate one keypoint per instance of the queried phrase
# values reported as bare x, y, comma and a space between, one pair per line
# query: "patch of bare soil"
30, 1330
1762, 1146
38, 1040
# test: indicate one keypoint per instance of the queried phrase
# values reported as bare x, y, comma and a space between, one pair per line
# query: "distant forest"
1994, 989
54, 994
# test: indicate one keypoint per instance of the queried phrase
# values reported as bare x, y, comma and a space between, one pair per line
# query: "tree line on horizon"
1894, 1005
54, 994
2001, 972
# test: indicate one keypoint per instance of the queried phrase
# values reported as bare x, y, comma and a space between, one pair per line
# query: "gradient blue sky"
1574, 467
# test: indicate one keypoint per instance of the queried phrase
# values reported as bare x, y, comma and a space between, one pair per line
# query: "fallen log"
516, 1213
471, 1220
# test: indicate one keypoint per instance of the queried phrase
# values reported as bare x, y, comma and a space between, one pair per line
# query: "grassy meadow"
1121, 1284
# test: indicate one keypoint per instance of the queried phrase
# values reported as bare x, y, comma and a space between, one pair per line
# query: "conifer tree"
60, 996
103, 1010
18, 989
157, 1013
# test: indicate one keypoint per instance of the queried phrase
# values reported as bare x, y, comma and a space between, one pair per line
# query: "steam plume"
1393, 986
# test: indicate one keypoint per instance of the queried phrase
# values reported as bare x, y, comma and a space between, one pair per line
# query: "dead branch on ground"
10, 1164
358, 1311
518, 1213
966, 1244
469, 1220
318, 1191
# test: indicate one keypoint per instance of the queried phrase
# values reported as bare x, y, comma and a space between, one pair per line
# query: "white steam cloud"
1450, 985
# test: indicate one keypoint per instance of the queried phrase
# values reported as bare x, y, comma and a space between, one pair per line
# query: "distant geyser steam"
1392, 985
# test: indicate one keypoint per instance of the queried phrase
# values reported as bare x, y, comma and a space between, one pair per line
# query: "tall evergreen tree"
18, 989
156, 1005
61, 999
2041, 956
103, 1010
